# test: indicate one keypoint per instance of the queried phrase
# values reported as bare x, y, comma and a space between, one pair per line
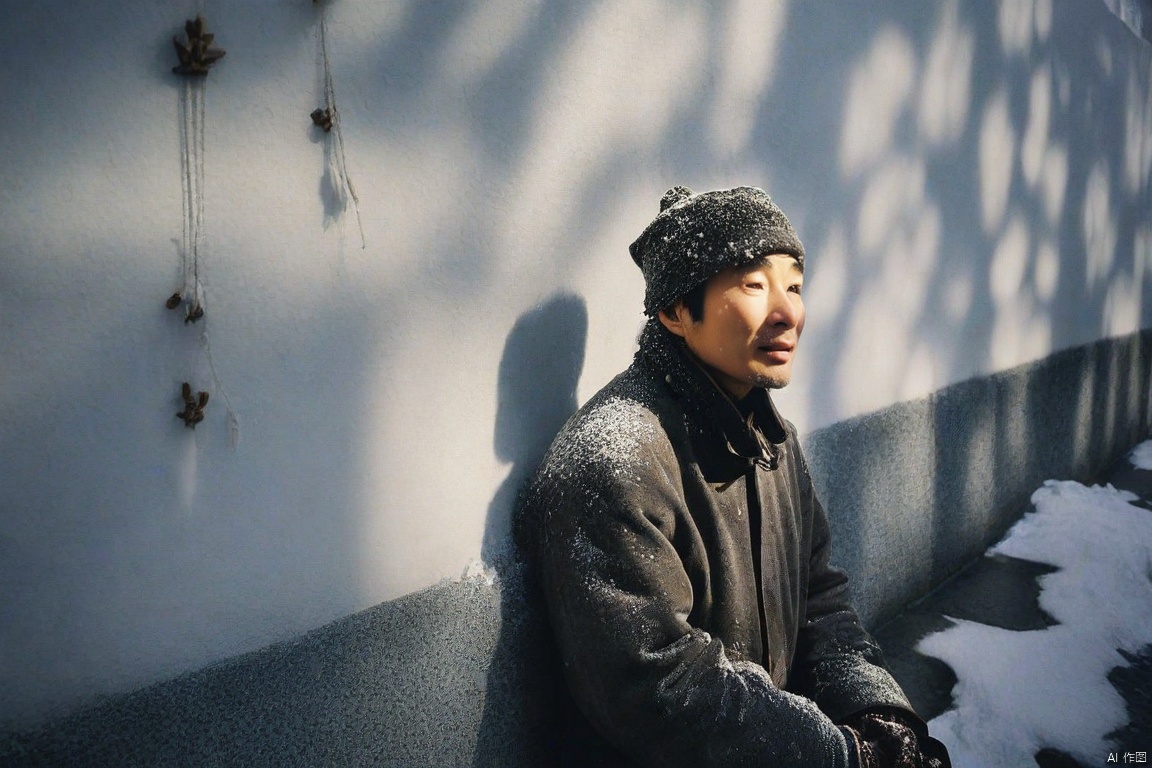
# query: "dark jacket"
683, 556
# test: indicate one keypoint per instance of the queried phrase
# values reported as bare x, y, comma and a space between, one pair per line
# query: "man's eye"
754, 285
795, 288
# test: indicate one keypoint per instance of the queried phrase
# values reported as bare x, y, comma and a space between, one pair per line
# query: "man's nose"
783, 310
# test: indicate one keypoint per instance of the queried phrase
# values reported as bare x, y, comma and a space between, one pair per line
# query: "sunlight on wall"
877, 95
946, 83
1020, 121
188, 472
1099, 225
1018, 22
1009, 261
1137, 134
834, 258
897, 235
601, 103
363, 35
480, 41
1125, 301
1019, 329
751, 31
997, 158
1043, 161
1046, 271
1104, 56
428, 517
615, 300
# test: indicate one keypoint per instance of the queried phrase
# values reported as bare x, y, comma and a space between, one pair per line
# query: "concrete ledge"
917, 490
449, 676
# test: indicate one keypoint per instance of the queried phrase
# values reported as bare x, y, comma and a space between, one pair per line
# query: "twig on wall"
327, 118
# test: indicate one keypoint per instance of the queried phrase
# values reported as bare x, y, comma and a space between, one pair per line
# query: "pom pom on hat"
695, 236
675, 195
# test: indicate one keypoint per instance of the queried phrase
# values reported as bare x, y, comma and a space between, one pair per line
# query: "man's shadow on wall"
536, 393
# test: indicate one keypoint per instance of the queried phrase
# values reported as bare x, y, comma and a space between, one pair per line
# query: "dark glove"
883, 742
887, 741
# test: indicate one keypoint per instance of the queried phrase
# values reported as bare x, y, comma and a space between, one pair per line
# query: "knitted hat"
696, 236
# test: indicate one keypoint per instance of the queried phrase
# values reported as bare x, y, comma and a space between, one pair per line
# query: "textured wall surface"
971, 179
448, 676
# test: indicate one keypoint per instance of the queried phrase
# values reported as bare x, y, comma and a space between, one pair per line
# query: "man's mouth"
778, 351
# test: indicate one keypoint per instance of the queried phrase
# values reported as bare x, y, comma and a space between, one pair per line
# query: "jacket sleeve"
838, 664
662, 691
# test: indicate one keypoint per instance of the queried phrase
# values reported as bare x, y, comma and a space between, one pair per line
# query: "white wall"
971, 181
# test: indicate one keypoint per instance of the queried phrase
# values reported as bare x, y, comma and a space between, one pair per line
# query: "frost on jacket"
683, 557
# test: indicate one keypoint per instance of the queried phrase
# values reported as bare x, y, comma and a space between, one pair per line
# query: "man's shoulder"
620, 427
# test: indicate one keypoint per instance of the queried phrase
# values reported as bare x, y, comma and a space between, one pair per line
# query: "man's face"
752, 321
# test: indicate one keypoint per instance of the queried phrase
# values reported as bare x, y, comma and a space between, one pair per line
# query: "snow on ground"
1141, 456
1020, 691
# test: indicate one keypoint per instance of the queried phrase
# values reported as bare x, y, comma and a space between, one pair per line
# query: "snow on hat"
695, 236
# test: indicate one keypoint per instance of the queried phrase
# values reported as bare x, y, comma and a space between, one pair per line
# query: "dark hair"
693, 302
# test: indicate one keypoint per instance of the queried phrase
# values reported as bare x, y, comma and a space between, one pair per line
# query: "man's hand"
886, 742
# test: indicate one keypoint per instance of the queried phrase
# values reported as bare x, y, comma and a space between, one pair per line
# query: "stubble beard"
772, 380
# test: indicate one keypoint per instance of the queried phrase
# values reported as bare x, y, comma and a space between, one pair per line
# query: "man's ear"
672, 319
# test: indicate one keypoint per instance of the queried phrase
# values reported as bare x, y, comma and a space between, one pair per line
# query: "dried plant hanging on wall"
196, 56
194, 403
327, 118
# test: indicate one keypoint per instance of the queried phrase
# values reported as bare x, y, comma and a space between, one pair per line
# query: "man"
680, 546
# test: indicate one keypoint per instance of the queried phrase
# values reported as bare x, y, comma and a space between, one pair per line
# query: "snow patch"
1020, 691
1141, 456
479, 572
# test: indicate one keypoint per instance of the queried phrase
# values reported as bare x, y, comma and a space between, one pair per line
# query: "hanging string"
198, 99
186, 165
339, 162
192, 173
196, 218
233, 419
192, 169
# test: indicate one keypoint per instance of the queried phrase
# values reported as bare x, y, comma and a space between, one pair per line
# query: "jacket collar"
752, 435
